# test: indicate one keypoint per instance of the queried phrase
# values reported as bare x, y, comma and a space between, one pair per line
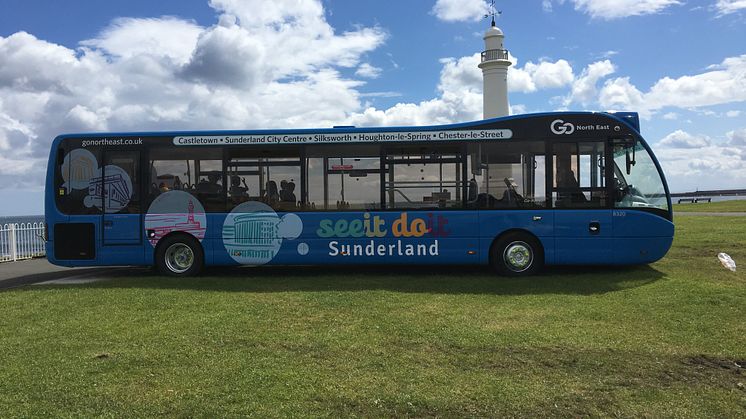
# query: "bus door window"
344, 178
507, 175
209, 186
579, 175
120, 188
117, 191
271, 176
424, 177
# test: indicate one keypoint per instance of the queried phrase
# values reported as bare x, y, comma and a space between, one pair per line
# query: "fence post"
12, 242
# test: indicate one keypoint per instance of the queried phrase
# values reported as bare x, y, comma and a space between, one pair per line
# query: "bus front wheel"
517, 254
179, 255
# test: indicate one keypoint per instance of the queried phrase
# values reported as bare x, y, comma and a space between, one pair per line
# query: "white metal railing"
21, 241
495, 54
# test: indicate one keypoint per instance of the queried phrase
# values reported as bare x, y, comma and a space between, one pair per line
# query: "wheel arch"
175, 234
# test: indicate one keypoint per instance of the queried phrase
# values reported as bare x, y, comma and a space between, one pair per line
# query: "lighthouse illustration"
190, 217
175, 211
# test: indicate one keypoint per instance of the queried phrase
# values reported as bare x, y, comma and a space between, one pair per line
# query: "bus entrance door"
582, 221
120, 192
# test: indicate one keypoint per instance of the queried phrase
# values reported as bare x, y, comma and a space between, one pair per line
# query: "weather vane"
493, 12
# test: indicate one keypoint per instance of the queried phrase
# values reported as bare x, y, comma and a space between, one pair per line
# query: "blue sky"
229, 64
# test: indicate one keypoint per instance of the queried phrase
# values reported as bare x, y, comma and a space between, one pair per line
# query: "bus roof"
537, 125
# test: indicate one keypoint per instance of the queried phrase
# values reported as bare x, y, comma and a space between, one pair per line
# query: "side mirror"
630, 159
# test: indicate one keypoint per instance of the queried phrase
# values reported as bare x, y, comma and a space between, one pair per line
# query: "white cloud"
620, 94
228, 56
544, 75
297, 34
547, 75
733, 114
682, 139
671, 116
737, 137
368, 71
584, 89
165, 37
460, 93
460, 99
518, 109
460, 10
615, 9
257, 67
695, 161
381, 94
725, 7
724, 83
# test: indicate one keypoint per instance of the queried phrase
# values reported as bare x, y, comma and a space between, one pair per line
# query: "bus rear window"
75, 169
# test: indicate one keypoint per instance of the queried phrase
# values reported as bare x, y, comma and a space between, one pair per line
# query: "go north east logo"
560, 127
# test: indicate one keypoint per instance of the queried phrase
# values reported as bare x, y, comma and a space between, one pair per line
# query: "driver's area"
637, 180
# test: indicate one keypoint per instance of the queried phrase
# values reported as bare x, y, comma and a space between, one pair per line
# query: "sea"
18, 219
715, 198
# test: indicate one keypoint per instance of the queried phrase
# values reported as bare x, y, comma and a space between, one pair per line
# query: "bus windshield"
638, 181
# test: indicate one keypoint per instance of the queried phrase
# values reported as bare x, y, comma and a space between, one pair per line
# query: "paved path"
31, 271
712, 214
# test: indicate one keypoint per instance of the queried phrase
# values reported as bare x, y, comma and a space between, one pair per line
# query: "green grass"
667, 339
723, 206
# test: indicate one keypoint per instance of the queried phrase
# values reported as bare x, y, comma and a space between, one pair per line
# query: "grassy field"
667, 339
723, 206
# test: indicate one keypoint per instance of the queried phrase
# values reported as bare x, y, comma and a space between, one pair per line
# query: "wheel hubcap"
179, 258
518, 256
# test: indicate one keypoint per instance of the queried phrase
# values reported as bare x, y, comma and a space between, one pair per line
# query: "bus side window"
196, 171
424, 177
343, 178
269, 175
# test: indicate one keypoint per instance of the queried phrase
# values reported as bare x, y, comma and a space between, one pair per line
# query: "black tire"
517, 254
179, 255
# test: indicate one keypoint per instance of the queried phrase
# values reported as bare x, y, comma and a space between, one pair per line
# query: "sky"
136, 65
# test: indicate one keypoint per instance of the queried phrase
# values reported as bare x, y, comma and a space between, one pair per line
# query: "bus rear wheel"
179, 255
517, 254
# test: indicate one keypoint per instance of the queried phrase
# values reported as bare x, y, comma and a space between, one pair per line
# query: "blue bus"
517, 193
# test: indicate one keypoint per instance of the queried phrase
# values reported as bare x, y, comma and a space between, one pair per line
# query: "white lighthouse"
494, 67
